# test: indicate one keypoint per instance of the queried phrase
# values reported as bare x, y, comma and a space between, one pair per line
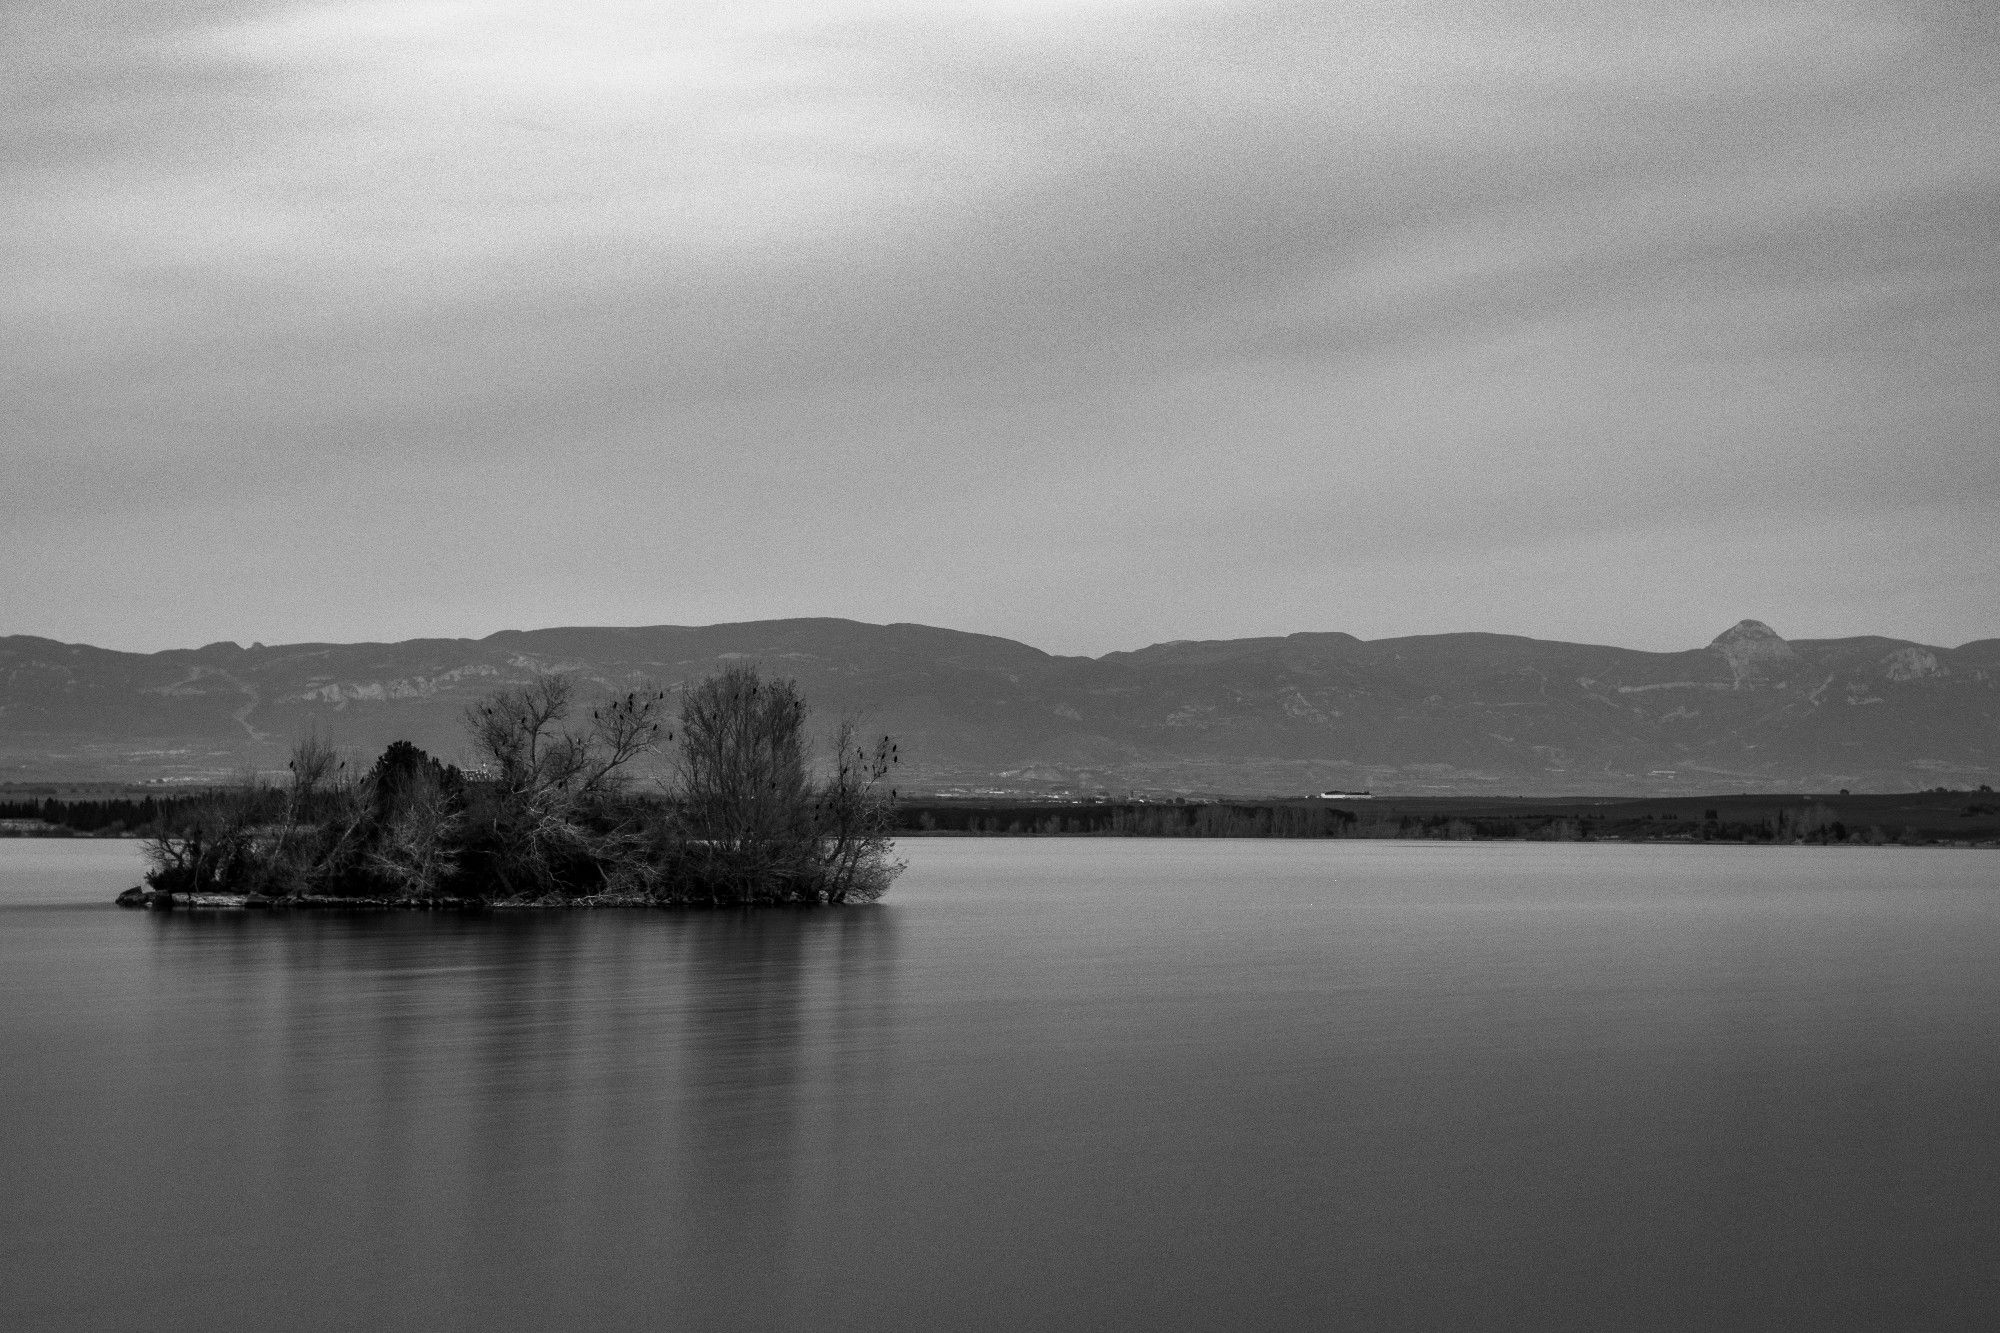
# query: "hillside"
1438, 714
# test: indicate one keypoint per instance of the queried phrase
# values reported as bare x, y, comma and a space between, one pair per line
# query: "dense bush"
552, 815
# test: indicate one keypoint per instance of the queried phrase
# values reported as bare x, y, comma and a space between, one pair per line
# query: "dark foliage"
109, 816
551, 816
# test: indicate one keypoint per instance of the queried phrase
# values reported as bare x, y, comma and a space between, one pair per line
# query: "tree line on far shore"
552, 813
93, 816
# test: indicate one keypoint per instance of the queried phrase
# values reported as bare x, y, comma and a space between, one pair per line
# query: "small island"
551, 815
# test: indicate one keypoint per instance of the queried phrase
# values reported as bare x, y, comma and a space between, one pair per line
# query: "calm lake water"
1049, 1084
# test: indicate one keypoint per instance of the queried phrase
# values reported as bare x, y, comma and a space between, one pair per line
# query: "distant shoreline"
929, 834
1955, 818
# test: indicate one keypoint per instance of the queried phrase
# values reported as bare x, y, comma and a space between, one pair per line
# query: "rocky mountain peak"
1751, 643
1747, 631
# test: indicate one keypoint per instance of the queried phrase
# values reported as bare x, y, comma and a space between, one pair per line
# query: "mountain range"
1432, 714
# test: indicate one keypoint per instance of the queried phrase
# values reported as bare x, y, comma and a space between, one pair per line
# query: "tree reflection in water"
551, 1108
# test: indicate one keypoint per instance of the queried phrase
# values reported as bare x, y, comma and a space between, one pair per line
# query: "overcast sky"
1091, 323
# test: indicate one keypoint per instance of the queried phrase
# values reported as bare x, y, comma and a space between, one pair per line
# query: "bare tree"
521, 732
758, 827
621, 729
743, 759
555, 784
856, 818
315, 766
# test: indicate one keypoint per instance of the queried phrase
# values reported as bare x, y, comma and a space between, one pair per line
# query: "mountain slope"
1436, 713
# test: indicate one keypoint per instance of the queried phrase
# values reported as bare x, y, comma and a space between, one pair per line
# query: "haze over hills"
1444, 714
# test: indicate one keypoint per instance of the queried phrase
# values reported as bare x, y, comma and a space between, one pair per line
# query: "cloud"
1131, 282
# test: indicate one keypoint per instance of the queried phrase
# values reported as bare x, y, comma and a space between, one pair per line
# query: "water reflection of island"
564, 1100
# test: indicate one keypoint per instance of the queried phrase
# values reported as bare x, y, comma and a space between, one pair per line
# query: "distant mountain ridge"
1444, 713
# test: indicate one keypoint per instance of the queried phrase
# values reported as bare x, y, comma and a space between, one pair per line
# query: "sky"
1092, 324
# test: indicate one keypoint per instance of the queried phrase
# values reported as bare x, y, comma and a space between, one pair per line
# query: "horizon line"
258, 646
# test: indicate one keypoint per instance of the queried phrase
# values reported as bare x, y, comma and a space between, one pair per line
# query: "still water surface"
1053, 1083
